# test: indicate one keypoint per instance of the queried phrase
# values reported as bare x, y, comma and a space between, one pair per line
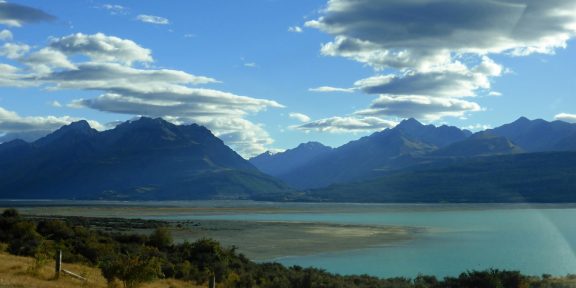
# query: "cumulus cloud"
16, 15
347, 124
299, 116
421, 107
14, 50
570, 118
151, 19
323, 89
247, 137
6, 35
102, 48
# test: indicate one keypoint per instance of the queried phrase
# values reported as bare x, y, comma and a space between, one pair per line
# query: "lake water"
531, 240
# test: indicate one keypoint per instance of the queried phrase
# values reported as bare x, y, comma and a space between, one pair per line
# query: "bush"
132, 270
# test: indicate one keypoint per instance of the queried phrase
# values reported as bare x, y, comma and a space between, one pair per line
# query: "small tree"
131, 270
161, 238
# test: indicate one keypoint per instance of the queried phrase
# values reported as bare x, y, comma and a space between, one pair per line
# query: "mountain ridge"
146, 159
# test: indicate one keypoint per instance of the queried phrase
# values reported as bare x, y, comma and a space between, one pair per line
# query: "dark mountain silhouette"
529, 177
144, 159
284, 162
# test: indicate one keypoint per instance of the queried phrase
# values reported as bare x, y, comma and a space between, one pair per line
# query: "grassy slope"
14, 274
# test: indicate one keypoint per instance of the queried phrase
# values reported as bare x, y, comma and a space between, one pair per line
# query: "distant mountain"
479, 144
276, 164
536, 135
566, 144
531, 177
148, 159
369, 156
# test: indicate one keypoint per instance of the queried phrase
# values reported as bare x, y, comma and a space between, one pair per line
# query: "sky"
270, 74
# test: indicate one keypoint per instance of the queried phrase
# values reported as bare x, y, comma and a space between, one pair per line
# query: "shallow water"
531, 240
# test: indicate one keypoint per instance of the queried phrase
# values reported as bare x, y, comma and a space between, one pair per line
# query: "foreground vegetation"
136, 259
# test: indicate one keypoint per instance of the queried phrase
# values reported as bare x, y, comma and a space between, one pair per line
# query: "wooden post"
212, 282
58, 264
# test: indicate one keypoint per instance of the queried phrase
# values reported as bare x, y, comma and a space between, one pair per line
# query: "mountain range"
146, 159
524, 161
152, 159
363, 158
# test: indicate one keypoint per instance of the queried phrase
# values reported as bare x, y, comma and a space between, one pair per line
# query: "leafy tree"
132, 270
161, 238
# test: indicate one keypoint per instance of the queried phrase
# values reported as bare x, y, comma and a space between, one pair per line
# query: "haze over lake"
449, 239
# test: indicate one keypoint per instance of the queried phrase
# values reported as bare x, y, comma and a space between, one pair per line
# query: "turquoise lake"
531, 240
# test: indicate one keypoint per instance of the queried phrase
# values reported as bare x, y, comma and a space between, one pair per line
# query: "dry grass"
15, 273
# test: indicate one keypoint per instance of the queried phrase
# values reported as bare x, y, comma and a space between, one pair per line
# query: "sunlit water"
533, 241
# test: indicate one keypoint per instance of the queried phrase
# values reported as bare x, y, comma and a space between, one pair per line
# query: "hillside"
147, 159
15, 272
536, 177
537, 135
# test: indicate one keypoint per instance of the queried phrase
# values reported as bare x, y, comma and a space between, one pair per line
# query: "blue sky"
270, 74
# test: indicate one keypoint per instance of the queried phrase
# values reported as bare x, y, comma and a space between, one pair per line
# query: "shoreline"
261, 241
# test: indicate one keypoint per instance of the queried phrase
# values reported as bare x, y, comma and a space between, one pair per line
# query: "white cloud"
299, 116
10, 121
45, 59
250, 65
115, 9
495, 94
10, 77
347, 124
295, 29
102, 48
453, 81
56, 104
420, 107
477, 127
477, 27
329, 89
432, 48
570, 118
153, 19
125, 89
16, 15
108, 76
14, 50
6, 35
245, 137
